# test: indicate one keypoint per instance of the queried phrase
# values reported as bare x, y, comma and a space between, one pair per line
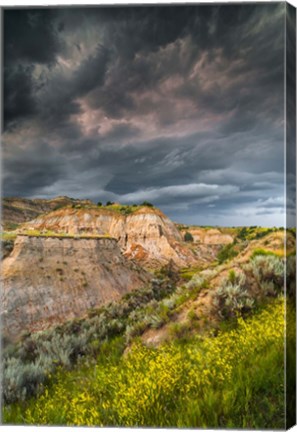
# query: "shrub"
268, 268
192, 316
233, 298
260, 251
232, 276
126, 210
242, 235
133, 330
227, 252
21, 380
147, 204
179, 330
262, 234
188, 237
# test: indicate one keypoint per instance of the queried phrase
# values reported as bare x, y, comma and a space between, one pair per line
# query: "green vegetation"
188, 237
254, 233
7, 235
188, 273
233, 380
11, 226
226, 373
233, 297
227, 252
263, 252
124, 209
269, 271
49, 233
27, 365
110, 206
147, 204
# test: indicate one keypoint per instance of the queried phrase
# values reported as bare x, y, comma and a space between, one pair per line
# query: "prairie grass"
234, 380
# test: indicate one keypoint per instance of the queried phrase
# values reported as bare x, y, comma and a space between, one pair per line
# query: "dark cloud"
32, 168
18, 94
180, 105
30, 36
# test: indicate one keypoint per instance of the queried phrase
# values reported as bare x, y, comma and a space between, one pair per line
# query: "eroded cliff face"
211, 236
47, 280
147, 235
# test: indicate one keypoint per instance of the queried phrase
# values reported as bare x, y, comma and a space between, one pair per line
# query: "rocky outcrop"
206, 236
146, 235
48, 280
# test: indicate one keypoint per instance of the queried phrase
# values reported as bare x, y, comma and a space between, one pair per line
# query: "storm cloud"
179, 105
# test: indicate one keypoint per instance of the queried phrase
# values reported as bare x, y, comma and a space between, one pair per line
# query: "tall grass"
232, 380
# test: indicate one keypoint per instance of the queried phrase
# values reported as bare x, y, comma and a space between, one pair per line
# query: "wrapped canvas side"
290, 144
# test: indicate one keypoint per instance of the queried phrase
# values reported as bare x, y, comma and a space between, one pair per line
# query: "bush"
147, 204
232, 297
262, 234
268, 268
188, 237
21, 380
126, 210
243, 233
232, 276
260, 251
227, 252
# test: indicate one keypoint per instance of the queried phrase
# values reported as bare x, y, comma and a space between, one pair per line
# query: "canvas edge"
290, 212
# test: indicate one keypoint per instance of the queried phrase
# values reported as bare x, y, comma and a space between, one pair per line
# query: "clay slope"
146, 235
50, 280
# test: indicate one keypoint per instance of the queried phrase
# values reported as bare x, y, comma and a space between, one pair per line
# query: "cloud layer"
178, 105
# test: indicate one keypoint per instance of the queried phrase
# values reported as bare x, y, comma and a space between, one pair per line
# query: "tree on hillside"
188, 237
147, 204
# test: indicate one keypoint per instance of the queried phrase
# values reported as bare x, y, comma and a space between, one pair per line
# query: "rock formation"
146, 235
48, 280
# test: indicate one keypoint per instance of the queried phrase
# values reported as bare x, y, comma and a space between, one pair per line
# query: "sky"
182, 106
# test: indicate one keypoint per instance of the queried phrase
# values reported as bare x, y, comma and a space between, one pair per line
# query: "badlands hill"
146, 235
49, 280
79, 256
86, 285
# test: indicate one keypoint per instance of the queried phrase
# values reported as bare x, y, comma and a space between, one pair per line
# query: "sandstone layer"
211, 236
146, 235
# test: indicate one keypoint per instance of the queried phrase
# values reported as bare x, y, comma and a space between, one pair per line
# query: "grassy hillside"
201, 351
232, 380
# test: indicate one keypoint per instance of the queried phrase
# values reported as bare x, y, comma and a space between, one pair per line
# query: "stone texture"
146, 235
46, 281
